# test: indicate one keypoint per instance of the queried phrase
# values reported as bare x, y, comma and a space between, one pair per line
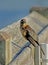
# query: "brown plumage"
28, 32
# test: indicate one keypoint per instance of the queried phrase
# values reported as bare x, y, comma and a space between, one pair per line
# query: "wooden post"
6, 48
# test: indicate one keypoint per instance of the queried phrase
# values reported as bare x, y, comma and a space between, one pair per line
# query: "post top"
4, 35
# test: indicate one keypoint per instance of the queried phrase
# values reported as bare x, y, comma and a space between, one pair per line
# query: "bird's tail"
34, 42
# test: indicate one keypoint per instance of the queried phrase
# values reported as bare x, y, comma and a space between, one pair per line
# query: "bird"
28, 33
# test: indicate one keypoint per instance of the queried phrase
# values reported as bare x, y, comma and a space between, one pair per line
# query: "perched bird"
28, 33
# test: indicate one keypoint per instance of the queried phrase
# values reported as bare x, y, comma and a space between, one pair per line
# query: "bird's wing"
32, 32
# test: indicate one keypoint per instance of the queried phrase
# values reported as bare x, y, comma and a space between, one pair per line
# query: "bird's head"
23, 23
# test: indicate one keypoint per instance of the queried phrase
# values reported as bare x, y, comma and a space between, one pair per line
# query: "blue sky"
13, 10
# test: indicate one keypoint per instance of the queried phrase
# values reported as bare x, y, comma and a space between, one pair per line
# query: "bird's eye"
22, 21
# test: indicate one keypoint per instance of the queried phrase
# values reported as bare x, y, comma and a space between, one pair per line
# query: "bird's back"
32, 33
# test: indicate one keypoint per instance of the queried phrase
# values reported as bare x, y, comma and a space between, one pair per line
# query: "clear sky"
13, 10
